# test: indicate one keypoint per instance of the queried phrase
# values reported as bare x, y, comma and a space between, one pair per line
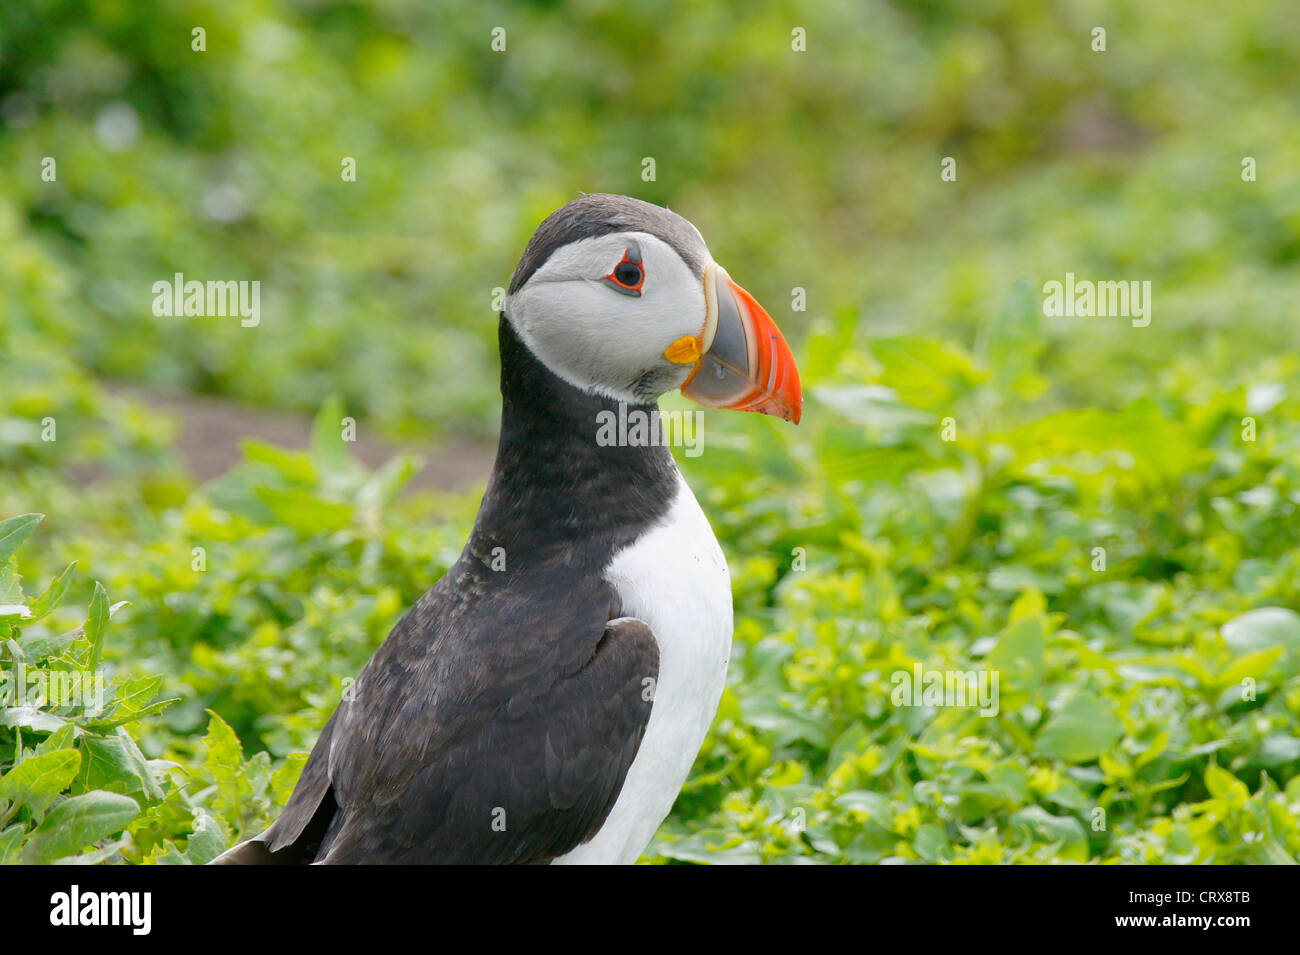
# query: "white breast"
675, 579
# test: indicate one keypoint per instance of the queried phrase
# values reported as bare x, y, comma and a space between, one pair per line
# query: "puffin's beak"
741, 360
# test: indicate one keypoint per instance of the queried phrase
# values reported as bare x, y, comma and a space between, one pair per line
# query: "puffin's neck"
556, 493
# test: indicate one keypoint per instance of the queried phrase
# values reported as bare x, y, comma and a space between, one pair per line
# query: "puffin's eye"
629, 275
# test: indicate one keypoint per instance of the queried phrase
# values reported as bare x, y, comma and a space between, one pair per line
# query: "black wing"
495, 725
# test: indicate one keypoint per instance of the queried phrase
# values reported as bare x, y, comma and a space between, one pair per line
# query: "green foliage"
961, 461
1149, 695
817, 169
74, 785
71, 776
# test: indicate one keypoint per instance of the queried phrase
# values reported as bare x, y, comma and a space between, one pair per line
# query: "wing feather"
495, 725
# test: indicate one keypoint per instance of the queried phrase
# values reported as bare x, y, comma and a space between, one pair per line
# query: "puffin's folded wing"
521, 781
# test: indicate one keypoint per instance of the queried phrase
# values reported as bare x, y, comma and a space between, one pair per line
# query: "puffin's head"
621, 298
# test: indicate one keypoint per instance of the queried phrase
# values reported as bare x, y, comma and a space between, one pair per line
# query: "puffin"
545, 700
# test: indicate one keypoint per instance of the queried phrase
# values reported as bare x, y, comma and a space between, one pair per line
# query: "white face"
603, 338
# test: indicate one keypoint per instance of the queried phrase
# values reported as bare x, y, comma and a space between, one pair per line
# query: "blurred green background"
816, 169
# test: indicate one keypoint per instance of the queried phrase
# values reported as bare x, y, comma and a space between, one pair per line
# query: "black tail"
256, 852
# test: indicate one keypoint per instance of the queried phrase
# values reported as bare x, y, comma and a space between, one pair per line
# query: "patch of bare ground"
212, 429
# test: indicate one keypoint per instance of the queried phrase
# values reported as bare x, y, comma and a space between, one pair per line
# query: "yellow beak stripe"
685, 351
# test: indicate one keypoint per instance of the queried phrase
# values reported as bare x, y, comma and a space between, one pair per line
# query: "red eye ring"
628, 276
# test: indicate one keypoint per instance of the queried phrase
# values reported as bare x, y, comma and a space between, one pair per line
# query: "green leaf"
1252, 665
167, 854
37, 781
284, 779
131, 698
96, 621
11, 584
225, 763
1044, 827
1158, 746
926, 373
304, 512
1010, 342
207, 841
931, 843
1081, 730
78, 822
1263, 629
1279, 748
63, 738
294, 467
1126, 437
327, 448
1221, 784
53, 595
40, 646
1276, 855
874, 805
95, 856
123, 716
385, 484
1020, 654
14, 531
29, 717
872, 406
789, 722
134, 699
115, 763
10, 839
